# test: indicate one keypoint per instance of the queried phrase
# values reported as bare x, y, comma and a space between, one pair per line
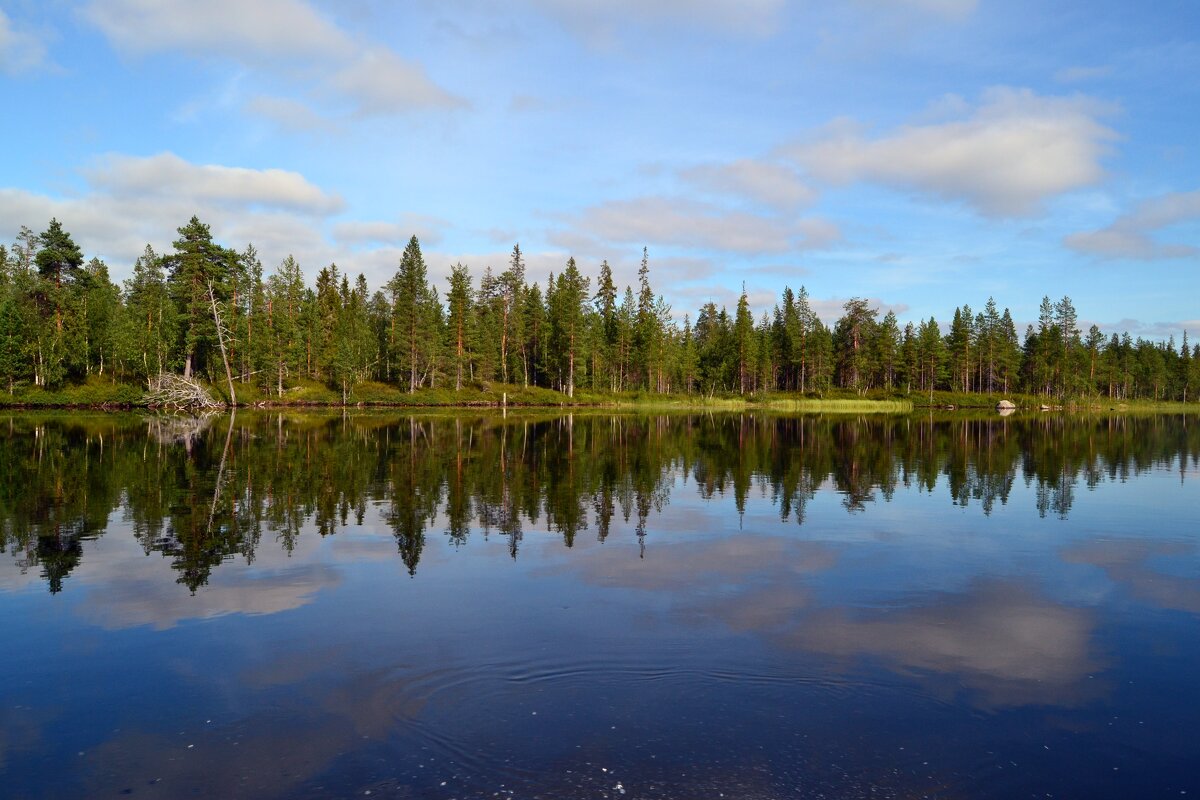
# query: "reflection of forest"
200, 493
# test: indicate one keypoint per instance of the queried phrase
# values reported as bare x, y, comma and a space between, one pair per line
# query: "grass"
840, 406
101, 392
96, 392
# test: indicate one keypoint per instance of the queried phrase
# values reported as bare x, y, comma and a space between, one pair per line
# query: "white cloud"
694, 225
771, 183
1015, 150
1159, 330
427, 229
288, 37
236, 187
380, 82
1129, 236
20, 51
235, 28
287, 113
131, 201
830, 310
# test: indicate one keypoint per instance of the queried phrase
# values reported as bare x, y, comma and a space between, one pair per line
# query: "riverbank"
101, 394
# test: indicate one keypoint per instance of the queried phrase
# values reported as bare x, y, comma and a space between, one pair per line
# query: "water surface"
452, 606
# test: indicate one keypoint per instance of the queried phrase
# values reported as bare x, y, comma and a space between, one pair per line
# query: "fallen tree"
168, 390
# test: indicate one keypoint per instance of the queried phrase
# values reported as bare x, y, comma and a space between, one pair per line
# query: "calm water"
467, 606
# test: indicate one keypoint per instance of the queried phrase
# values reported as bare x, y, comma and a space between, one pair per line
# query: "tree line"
209, 311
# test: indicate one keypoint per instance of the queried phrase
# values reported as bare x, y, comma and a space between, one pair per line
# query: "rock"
1006, 405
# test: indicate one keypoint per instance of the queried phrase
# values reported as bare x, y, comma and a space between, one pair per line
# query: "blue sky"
922, 153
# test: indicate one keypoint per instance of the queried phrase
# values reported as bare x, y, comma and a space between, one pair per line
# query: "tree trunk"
212, 299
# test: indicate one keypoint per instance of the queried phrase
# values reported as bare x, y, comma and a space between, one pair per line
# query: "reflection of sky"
300, 668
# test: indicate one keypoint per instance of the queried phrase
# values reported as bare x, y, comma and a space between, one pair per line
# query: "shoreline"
668, 403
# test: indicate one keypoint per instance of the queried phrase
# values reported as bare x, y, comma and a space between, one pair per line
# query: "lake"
468, 605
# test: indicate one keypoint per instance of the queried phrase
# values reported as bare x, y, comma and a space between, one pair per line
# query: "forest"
209, 312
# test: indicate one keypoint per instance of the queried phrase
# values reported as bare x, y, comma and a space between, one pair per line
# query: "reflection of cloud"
750, 584
271, 751
153, 600
1003, 643
21, 730
730, 561
1127, 562
1000, 641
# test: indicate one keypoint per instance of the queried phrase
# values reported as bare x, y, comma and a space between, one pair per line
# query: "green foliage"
63, 322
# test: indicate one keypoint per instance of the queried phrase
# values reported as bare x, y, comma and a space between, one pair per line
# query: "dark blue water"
672, 607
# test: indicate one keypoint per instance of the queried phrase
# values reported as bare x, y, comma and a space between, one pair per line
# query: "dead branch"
175, 391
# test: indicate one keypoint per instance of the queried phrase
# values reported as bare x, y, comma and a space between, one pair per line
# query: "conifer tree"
567, 320
887, 350
605, 303
285, 318
409, 300
743, 333
459, 300
197, 265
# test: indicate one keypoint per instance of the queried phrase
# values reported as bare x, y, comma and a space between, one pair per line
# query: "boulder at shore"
1006, 405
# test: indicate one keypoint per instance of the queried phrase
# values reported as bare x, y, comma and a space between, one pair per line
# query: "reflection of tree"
206, 495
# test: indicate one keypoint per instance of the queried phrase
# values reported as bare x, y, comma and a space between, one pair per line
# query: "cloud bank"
1009, 155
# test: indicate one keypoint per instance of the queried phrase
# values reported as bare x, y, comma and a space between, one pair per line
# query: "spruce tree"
459, 301
409, 298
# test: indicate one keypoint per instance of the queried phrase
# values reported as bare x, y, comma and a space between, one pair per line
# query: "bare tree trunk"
212, 299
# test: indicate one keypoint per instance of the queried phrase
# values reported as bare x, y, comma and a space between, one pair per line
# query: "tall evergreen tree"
409, 299
460, 299
567, 319
853, 342
197, 267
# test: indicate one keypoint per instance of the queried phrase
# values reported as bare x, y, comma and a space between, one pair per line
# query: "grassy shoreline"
104, 395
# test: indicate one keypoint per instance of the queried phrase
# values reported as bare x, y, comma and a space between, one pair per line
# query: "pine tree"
459, 300
409, 299
567, 319
1010, 353
330, 300
959, 347
646, 330
605, 303
197, 266
909, 359
150, 319
59, 260
743, 333
12, 339
888, 345
510, 286
536, 341
285, 315
687, 357
627, 316
854, 339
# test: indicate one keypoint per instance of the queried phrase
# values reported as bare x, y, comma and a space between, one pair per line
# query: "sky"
920, 153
